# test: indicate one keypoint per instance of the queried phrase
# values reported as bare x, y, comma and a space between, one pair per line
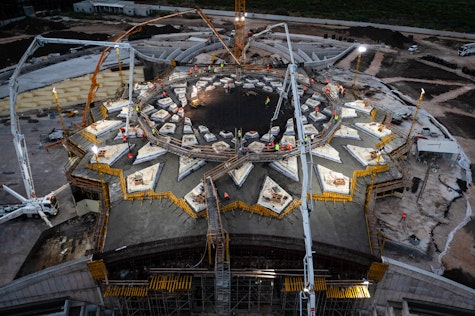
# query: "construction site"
205, 172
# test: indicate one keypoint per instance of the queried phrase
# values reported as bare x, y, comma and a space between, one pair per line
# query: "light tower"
361, 50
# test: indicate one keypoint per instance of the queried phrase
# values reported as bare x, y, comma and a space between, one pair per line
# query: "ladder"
222, 286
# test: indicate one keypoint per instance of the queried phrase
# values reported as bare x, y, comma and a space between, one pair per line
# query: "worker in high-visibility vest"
267, 100
226, 196
277, 147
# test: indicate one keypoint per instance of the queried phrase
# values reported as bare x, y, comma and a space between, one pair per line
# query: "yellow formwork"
352, 292
377, 270
148, 194
320, 284
126, 291
104, 112
332, 197
384, 141
97, 269
261, 210
90, 137
373, 115
295, 284
256, 208
171, 283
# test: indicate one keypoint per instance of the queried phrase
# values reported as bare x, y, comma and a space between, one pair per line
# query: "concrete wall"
69, 279
403, 281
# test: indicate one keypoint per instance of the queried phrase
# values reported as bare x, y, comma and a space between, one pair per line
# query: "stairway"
222, 287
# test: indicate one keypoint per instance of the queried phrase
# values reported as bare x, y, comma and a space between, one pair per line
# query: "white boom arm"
15, 194
27, 207
18, 137
32, 204
308, 292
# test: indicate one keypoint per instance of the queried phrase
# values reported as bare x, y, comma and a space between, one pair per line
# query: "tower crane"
239, 27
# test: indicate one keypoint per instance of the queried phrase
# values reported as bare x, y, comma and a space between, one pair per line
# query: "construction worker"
277, 147
191, 70
226, 196
137, 109
268, 147
403, 217
268, 67
222, 65
239, 133
267, 100
289, 146
154, 132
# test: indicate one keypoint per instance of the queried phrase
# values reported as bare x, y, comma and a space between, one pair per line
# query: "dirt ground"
449, 92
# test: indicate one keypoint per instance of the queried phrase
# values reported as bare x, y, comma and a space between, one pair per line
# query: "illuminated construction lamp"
361, 50
95, 149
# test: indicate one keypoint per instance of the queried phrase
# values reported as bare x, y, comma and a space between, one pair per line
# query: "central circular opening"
239, 108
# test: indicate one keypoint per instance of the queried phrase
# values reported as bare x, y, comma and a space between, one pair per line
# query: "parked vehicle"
412, 49
467, 49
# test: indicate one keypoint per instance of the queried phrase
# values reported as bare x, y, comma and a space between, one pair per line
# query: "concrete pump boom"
291, 75
33, 205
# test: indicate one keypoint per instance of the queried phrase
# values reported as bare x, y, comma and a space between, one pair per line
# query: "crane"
239, 26
135, 29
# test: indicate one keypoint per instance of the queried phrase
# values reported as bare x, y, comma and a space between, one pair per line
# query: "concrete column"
389, 310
